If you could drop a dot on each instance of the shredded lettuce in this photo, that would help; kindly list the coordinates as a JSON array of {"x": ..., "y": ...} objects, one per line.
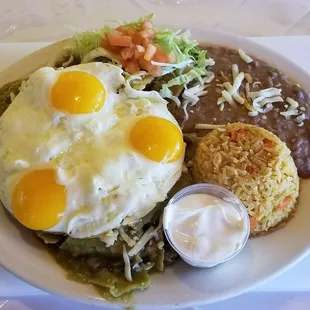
[
  {"x": 137, "y": 23},
  {"x": 187, "y": 56},
  {"x": 186, "y": 78},
  {"x": 90, "y": 40},
  {"x": 201, "y": 59},
  {"x": 177, "y": 42},
  {"x": 99, "y": 52},
  {"x": 188, "y": 69},
  {"x": 153, "y": 96},
  {"x": 168, "y": 68}
]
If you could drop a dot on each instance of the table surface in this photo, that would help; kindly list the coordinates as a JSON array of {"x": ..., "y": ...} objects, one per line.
[
  {"x": 33, "y": 20},
  {"x": 289, "y": 291}
]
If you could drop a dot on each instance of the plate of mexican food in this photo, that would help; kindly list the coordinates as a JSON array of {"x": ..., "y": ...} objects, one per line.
[{"x": 153, "y": 167}]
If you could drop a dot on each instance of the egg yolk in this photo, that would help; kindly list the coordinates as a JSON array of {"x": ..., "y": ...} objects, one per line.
[
  {"x": 78, "y": 92},
  {"x": 38, "y": 202},
  {"x": 157, "y": 139}
]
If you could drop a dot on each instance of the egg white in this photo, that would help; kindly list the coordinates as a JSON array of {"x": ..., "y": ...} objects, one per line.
[{"x": 107, "y": 182}]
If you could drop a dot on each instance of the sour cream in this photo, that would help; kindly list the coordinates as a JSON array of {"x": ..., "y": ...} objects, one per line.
[{"x": 204, "y": 229}]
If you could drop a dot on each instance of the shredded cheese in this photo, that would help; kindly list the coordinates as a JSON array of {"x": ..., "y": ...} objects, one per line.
[
  {"x": 293, "y": 104},
  {"x": 210, "y": 62},
  {"x": 255, "y": 84},
  {"x": 237, "y": 82},
  {"x": 227, "y": 96},
  {"x": 264, "y": 101},
  {"x": 247, "y": 91},
  {"x": 220, "y": 100},
  {"x": 268, "y": 108},
  {"x": 148, "y": 235},
  {"x": 300, "y": 118},
  {"x": 248, "y": 77},
  {"x": 288, "y": 113},
  {"x": 230, "y": 93},
  {"x": 234, "y": 70},
  {"x": 142, "y": 242},
  {"x": 268, "y": 92},
  {"x": 244, "y": 56},
  {"x": 192, "y": 94},
  {"x": 260, "y": 102},
  {"x": 130, "y": 242},
  {"x": 209, "y": 77},
  {"x": 292, "y": 110},
  {"x": 160, "y": 244},
  {"x": 228, "y": 87},
  {"x": 109, "y": 237},
  {"x": 128, "y": 275},
  {"x": 208, "y": 126},
  {"x": 253, "y": 113},
  {"x": 238, "y": 98}
]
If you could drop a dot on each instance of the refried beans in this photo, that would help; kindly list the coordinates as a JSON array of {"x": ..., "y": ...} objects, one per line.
[{"x": 207, "y": 111}]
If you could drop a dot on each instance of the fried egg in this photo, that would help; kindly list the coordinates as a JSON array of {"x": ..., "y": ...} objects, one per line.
[{"x": 82, "y": 153}]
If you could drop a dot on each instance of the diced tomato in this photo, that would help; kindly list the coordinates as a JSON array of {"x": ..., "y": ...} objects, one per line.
[
  {"x": 132, "y": 66},
  {"x": 253, "y": 222},
  {"x": 241, "y": 133},
  {"x": 132, "y": 31},
  {"x": 136, "y": 49},
  {"x": 123, "y": 62},
  {"x": 114, "y": 32},
  {"x": 147, "y": 34},
  {"x": 127, "y": 52},
  {"x": 147, "y": 66},
  {"x": 268, "y": 143},
  {"x": 155, "y": 70},
  {"x": 249, "y": 169},
  {"x": 145, "y": 43},
  {"x": 116, "y": 38},
  {"x": 139, "y": 51},
  {"x": 105, "y": 43},
  {"x": 233, "y": 135},
  {"x": 135, "y": 35},
  {"x": 122, "y": 29},
  {"x": 137, "y": 39},
  {"x": 236, "y": 135},
  {"x": 144, "y": 64},
  {"x": 140, "y": 48},
  {"x": 160, "y": 55},
  {"x": 285, "y": 202},
  {"x": 147, "y": 24},
  {"x": 150, "y": 52}
]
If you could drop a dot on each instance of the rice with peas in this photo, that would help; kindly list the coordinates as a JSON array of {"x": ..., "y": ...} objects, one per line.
[{"x": 256, "y": 166}]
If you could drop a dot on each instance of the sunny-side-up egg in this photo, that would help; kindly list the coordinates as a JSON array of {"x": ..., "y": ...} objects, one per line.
[{"x": 83, "y": 153}]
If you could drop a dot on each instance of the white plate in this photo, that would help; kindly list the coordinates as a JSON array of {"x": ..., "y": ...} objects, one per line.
[{"x": 180, "y": 285}]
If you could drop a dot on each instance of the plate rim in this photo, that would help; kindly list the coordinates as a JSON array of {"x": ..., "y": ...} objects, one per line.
[{"x": 261, "y": 51}]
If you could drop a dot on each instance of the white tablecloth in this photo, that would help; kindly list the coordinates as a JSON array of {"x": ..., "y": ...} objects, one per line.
[{"x": 34, "y": 20}]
